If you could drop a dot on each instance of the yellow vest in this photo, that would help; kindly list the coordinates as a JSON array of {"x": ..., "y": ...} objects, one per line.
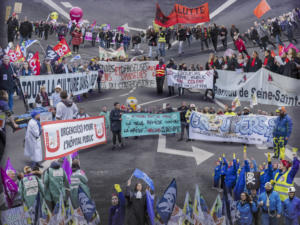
[
  {"x": 188, "y": 115},
  {"x": 162, "y": 37},
  {"x": 230, "y": 114},
  {"x": 281, "y": 186}
]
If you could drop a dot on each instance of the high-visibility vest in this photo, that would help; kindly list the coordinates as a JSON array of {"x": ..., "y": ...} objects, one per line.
[
  {"x": 160, "y": 70},
  {"x": 162, "y": 37},
  {"x": 281, "y": 186}
]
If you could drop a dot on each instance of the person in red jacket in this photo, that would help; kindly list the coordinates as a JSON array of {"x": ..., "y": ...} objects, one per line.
[
  {"x": 76, "y": 39},
  {"x": 160, "y": 76},
  {"x": 239, "y": 43}
]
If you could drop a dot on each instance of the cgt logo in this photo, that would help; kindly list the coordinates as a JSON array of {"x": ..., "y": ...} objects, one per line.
[
  {"x": 52, "y": 141},
  {"x": 99, "y": 131}
]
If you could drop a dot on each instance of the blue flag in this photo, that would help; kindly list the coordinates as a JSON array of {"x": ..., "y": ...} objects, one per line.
[
  {"x": 166, "y": 204},
  {"x": 87, "y": 206},
  {"x": 51, "y": 54},
  {"x": 150, "y": 207},
  {"x": 76, "y": 57},
  {"x": 141, "y": 175}
]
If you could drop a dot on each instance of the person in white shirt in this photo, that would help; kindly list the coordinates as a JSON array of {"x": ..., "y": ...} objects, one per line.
[
  {"x": 66, "y": 109},
  {"x": 55, "y": 97}
]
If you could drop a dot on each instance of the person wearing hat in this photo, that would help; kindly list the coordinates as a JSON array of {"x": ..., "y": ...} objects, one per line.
[
  {"x": 188, "y": 114},
  {"x": 291, "y": 208},
  {"x": 281, "y": 133},
  {"x": 160, "y": 76},
  {"x": 7, "y": 76},
  {"x": 29, "y": 187},
  {"x": 33, "y": 146},
  {"x": 246, "y": 111},
  {"x": 55, "y": 97},
  {"x": 117, "y": 210},
  {"x": 270, "y": 204},
  {"x": 12, "y": 27},
  {"x": 284, "y": 178}
]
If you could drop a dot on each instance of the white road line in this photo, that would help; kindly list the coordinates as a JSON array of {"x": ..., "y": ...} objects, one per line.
[
  {"x": 221, "y": 8},
  {"x": 124, "y": 94},
  {"x": 67, "y": 4},
  {"x": 297, "y": 181},
  {"x": 57, "y": 8},
  {"x": 102, "y": 99},
  {"x": 158, "y": 100}
]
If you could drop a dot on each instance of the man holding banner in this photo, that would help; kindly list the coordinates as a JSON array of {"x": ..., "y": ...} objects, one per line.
[{"x": 160, "y": 76}]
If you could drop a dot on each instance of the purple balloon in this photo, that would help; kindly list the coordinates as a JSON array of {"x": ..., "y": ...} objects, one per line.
[{"x": 76, "y": 14}]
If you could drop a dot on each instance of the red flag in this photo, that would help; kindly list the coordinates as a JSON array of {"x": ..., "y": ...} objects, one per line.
[
  {"x": 34, "y": 64},
  {"x": 62, "y": 48},
  {"x": 19, "y": 54},
  {"x": 273, "y": 54},
  {"x": 182, "y": 14},
  {"x": 280, "y": 49},
  {"x": 261, "y": 8},
  {"x": 12, "y": 55}
]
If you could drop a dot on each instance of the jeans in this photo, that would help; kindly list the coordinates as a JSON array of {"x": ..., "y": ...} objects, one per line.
[
  {"x": 180, "y": 47},
  {"x": 11, "y": 101},
  {"x": 161, "y": 47},
  {"x": 267, "y": 220},
  {"x": 150, "y": 51},
  {"x": 102, "y": 43}
]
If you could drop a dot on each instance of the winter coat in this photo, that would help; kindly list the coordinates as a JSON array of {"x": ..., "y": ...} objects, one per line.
[
  {"x": 66, "y": 110},
  {"x": 25, "y": 29},
  {"x": 29, "y": 187},
  {"x": 33, "y": 147},
  {"x": 241, "y": 182},
  {"x": 6, "y": 78},
  {"x": 256, "y": 67},
  {"x": 291, "y": 172},
  {"x": 217, "y": 175},
  {"x": 152, "y": 39},
  {"x": 239, "y": 43},
  {"x": 275, "y": 29},
  {"x": 283, "y": 126},
  {"x": 291, "y": 208},
  {"x": 270, "y": 63},
  {"x": 290, "y": 70},
  {"x": 78, "y": 178},
  {"x": 115, "y": 116},
  {"x": 12, "y": 25},
  {"x": 265, "y": 176},
  {"x": 231, "y": 175},
  {"x": 214, "y": 34},
  {"x": 182, "y": 34},
  {"x": 275, "y": 203},
  {"x": 246, "y": 210},
  {"x": 136, "y": 208},
  {"x": 254, "y": 34},
  {"x": 117, "y": 213},
  {"x": 56, "y": 182},
  {"x": 42, "y": 100},
  {"x": 119, "y": 38},
  {"x": 76, "y": 37}
]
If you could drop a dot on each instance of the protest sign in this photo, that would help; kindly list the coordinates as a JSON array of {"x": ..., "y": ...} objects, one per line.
[
  {"x": 253, "y": 180},
  {"x": 140, "y": 124},
  {"x": 190, "y": 79},
  {"x": 126, "y": 75},
  {"x": 105, "y": 54},
  {"x": 13, "y": 216},
  {"x": 64, "y": 137},
  {"x": 75, "y": 83},
  {"x": 270, "y": 88},
  {"x": 183, "y": 15},
  {"x": 89, "y": 35},
  {"x": 253, "y": 129}
]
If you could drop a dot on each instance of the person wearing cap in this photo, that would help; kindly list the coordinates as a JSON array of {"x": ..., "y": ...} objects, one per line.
[
  {"x": 33, "y": 146},
  {"x": 12, "y": 27},
  {"x": 246, "y": 111},
  {"x": 55, "y": 183},
  {"x": 55, "y": 97},
  {"x": 29, "y": 187},
  {"x": 284, "y": 178},
  {"x": 117, "y": 210},
  {"x": 281, "y": 133},
  {"x": 188, "y": 114},
  {"x": 7, "y": 76},
  {"x": 269, "y": 202},
  {"x": 160, "y": 76},
  {"x": 291, "y": 208},
  {"x": 78, "y": 178}
]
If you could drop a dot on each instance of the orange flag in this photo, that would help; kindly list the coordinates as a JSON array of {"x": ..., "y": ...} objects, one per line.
[
  {"x": 261, "y": 8},
  {"x": 273, "y": 53},
  {"x": 280, "y": 50}
]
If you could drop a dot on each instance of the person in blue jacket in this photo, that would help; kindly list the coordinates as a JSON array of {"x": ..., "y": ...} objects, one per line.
[
  {"x": 266, "y": 174},
  {"x": 117, "y": 210},
  {"x": 224, "y": 167},
  {"x": 217, "y": 173},
  {"x": 291, "y": 208},
  {"x": 281, "y": 133},
  {"x": 270, "y": 203},
  {"x": 231, "y": 175},
  {"x": 246, "y": 208}
]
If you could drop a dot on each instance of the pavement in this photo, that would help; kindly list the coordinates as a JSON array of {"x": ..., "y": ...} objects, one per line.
[{"x": 105, "y": 167}]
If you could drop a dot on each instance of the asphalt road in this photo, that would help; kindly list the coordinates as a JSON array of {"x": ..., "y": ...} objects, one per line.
[{"x": 105, "y": 167}]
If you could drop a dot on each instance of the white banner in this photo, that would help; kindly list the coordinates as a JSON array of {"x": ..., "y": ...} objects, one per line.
[
  {"x": 190, "y": 79},
  {"x": 270, "y": 88},
  {"x": 252, "y": 129},
  {"x": 126, "y": 75},
  {"x": 76, "y": 83},
  {"x": 64, "y": 137}
]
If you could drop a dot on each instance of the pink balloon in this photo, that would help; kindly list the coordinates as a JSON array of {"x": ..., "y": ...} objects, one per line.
[{"x": 76, "y": 14}]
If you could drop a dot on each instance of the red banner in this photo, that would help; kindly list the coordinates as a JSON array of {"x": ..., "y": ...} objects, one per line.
[
  {"x": 62, "y": 48},
  {"x": 19, "y": 54},
  {"x": 34, "y": 64},
  {"x": 12, "y": 56},
  {"x": 182, "y": 14}
]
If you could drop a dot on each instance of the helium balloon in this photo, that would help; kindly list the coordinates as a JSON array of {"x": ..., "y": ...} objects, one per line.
[
  {"x": 76, "y": 14},
  {"x": 54, "y": 15}
]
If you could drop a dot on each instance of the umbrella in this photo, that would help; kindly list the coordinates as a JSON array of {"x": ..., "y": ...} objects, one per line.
[{"x": 229, "y": 52}]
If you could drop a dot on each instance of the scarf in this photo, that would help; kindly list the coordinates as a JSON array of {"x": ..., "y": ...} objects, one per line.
[
  {"x": 266, "y": 61},
  {"x": 253, "y": 62}
]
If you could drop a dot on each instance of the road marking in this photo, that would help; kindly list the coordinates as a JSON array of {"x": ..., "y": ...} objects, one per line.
[
  {"x": 132, "y": 90},
  {"x": 221, "y": 8},
  {"x": 102, "y": 99},
  {"x": 158, "y": 100},
  {"x": 197, "y": 153},
  {"x": 57, "y": 8},
  {"x": 67, "y": 4},
  {"x": 297, "y": 180}
]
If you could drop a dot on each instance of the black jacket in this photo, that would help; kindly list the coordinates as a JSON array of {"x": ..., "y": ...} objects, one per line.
[
  {"x": 182, "y": 110},
  {"x": 12, "y": 25},
  {"x": 257, "y": 65},
  {"x": 182, "y": 35},
  {"x": 290, "y": 70},
  {"x": 270, "y": 64},
  {"x": 25, "y": 29},
  {"x": 115, "y": 116},
  {"x": 6, "y": 78}
]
